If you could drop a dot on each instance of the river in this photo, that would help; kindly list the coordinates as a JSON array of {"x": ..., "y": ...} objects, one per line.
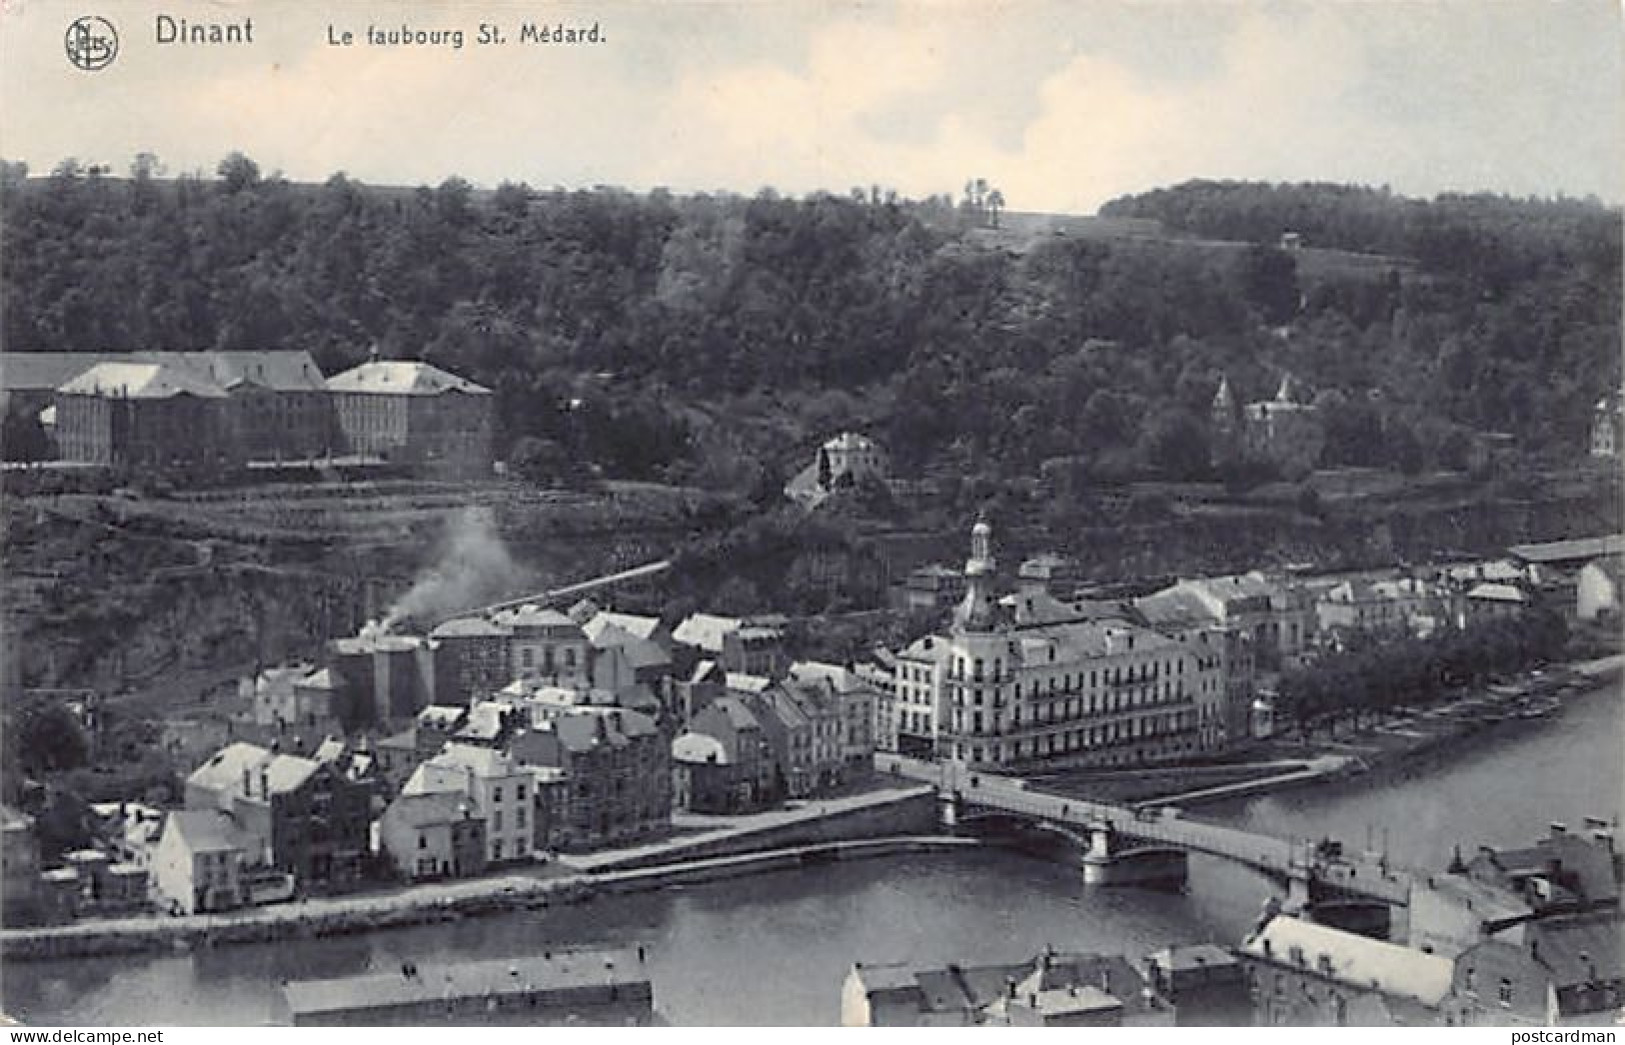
[{"x": 773, "y": 949}]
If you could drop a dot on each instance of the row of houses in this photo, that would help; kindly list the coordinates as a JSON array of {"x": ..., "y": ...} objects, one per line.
[
  {"x": 1516, "y": 937},
  {"x": 1043, "y": 674},
  {"x": 200, "y": 412}
]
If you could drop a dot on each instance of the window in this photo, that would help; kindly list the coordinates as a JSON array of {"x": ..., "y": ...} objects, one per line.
[
  {"x": 519, "y": 792},
  {"x": 1505, "y": 993},
  {"x": 423, "y": 842}
]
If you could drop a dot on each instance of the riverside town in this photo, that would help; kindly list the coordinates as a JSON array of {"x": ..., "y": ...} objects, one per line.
[{"x": 500, "y": 604}]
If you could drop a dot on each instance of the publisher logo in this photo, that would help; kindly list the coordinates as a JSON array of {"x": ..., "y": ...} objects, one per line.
[{"x": 91, "y": 43}]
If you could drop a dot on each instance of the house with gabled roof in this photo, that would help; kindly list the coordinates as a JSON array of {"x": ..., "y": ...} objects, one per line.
[
  {"x": 199, "y": 861},
  {"x": 296, "y": 815}
]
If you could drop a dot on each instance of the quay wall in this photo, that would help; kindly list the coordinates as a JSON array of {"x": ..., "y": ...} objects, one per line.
[
  {"x": 873, "y": 830},
  {"x": 912, "y": 813}
]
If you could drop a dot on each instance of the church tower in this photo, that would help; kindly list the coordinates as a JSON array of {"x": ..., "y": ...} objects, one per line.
[
  {"x": 977, "y": 703},
  {"x": 975, "y": 611}
]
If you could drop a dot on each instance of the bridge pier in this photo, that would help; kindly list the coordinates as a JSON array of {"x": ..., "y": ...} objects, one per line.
[{"x": 1107, "y": 860}]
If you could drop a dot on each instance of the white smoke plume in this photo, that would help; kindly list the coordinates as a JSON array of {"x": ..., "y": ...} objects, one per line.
[{"x": 474, "y": 568}]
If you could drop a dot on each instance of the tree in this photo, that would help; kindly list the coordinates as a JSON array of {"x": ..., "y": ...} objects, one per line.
[
  {"x": 48, "y": 738},
  {"x": 995, "y": 204},
  {"x": 1269, "y": 280},
  {"x": 237, "y": 173},
  {"x": 1176, "y": 444},
  {"x": 537, "y": 460}
]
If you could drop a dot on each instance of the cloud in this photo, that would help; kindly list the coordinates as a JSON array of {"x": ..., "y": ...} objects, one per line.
[{"x": 1062, "y": 105}]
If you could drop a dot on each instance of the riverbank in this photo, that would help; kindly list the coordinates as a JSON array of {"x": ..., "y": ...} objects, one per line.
[
  {"x": 871, "y": 824},
  {"x": 1412, "y": 732}
]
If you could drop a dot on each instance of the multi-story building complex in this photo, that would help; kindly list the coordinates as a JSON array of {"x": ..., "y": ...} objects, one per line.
[
  {"x": 803, "y": 730},
  {"x": 608, "y": 775},
  {"x": 298, "y": 816},
  {"x": 850, "y": 454},
  {"x": 1104, "y": 692},
  {"x": 275, "y": 407},
  {"x": 1284, "y": 429},
  {"x": 496, "y": 786},
  {"x": 1303, "y": 975},
  {"x": 278, "y": 407},
  {"x": 199, "y": 862},
  {"x": 388, "y": 677},
  {"x": 917, "y": 692},
  {"x": 1394, "y": 606},
  {"x": 415, "y": 414},
  {"x": 1277, "y": 615},
  {"x": 545, "y": 645},
  {"x": 474, "y": 658},
  {"x": 747, "y": 782},
  {"x": 856, "y": 701},
  {"x": 1608, "y": 425},
  {"x": 297, "y": 697},
  {"x": 433, "y": 834},
  {"x": 1226, "y": 677},
  {"x": 929, "y": 588},
  {"x": 19, "y": 867},
  {"x": 1051, "y": 989},
  {"x": 150, "y": 417}
]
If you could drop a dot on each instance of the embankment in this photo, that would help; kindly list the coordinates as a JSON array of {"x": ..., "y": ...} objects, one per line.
[{"x": 866, "y": 826}]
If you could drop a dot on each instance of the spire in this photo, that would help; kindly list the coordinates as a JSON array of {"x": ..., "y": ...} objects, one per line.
[
  {"x": 975, "y": 611},
  {"x": 1226, "y": 412}
]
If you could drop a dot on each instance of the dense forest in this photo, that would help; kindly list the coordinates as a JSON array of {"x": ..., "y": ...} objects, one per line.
[{"x": 713, "y": 339}]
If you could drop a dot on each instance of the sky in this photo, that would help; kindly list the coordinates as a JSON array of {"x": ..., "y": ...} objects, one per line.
[{"x": 1062, "y": 105}]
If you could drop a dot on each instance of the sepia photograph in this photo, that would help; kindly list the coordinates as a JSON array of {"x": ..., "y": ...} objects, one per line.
[{"x": 811, "y": 513}]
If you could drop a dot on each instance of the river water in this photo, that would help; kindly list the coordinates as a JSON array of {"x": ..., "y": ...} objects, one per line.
[{"x": 772, "y": 949}]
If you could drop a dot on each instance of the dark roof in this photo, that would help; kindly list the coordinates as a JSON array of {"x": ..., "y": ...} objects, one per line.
[
  {"x": 1580, "y": 948},
  {"x": 559, "y": 970},
  {"x": 1573, "y": 550},
  {"x": 428, "y": 808},
  {"x": 43, "y": 371},
  {"x": 205, "y": 830}
]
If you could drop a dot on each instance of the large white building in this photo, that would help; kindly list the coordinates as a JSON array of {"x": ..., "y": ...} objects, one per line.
[{"x": 1103, "y": 691}]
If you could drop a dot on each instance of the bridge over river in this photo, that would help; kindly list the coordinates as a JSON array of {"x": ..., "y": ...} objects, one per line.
[{"x": 1124, "y": 845}]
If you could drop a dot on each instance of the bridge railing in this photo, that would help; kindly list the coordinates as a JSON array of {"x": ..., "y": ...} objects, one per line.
[{"x": 1266, "y": 852}]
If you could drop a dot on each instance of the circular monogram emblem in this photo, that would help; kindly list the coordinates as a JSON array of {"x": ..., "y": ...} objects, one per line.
[{"x": 91, "y": 43}]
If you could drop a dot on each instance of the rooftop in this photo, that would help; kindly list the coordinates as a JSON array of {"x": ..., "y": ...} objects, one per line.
[
  {"x": 1350, "y": 958},
  {"x": 142, "y": 381},
  {"x": 705, "y": 630},
  {"x": 641, "y": 627},
  {"x": 1572, "y": 550},
  {"x": 468, "y": 628},
  {"x": 205, "y": 830},
  {"x": 699, "y": 748},
  {"x": 1580, "y": 948},
  {"x": 551, "y": 971},
  {"x": 429, "y": 808},
  {"x": 402, "y": 377},
  {"x": 223, "y": 773}
]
